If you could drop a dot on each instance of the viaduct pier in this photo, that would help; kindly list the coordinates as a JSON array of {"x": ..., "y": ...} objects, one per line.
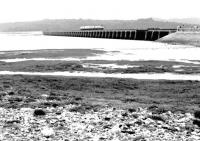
[{"x": 127, "y": 34}]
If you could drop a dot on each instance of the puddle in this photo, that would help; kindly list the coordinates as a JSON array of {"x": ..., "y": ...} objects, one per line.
[
  {"x": 146, "y": 76},
  {"x": 112, "y": 66}
]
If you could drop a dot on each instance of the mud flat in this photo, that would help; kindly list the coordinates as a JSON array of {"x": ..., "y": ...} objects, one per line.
[
  {"x": 103, "y": 66},
  {"x": 184, "y": 38},
  {"x": 32, "y": 91}
]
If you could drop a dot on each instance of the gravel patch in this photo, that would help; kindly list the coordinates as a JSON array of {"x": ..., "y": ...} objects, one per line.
[{"x": 105, "y": 124}]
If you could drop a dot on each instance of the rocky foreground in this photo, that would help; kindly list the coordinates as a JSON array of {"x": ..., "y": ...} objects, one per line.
[
  {"x": 67, "y": 108},
  {"x": 69, "y": 123}
]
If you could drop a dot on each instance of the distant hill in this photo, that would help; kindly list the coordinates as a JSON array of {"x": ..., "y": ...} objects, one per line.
[
  {"x": 187, "y": 20},
  {"x": 74, "y": 24},
  {"x": 182, "y": 21}
]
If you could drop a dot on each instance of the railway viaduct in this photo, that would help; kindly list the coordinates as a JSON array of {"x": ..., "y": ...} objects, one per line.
[{"x": 128, "y": 34}]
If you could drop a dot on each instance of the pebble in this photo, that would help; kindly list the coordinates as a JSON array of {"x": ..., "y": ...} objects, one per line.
[
  {"x": 115, "y": 129},
  {"x": 47, "y": 132}
]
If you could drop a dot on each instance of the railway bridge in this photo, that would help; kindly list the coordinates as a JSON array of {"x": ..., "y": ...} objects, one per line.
[{"x": 128, "y": 34}]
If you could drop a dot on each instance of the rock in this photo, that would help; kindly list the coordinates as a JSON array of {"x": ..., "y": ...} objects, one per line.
[
  {"x": 149, "y": 121},
  {"x": 107, "y": 126},
  {"x": 97, "y": 138},
  {"x": 171, "y": 129},
  {"x": 195, "y": 137},
  {"x": 177, "y": 128},
  {"x": 11, "y": 93},
  {"x": 44, "y": 95},
  {"x": 107, "y": 119},
  {"x": 139, "y": 138},
  {"x": 197, "y": 114},
  {"x": 156, "y": 117},
  {"x": 1, "y": 137},
  {"x": 128, "y": 132},
  {"x": 189, "y": 116},
  {"x": 12, "y": 121},
  {"x": 115, "y": 129},
  {"x": 47, "y": 132},
  {"x": 39, "y": 112},
  {"x": 58, "y": 113},
  {"x": 196, "y": 122},
  {"x": 152, "y": 107},
  {"x": 2, "y": 94},
  {"x": 139, "y": 122},
  {"x": 124, "y": 114},
  {"x": 131, "y": 110},
  {"x": 134, "y": 115}
]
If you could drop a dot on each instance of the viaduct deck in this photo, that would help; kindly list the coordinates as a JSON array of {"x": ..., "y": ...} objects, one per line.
[{"x": 128, "y": 34}]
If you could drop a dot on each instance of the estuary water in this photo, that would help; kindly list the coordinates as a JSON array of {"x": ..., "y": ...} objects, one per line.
[
  {"x": 116, "y": 49},
  {"x": 128, "y": 50}
]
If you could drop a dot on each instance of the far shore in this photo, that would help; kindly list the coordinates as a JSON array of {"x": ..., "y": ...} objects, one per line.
[{"x": 182, "y": 38}]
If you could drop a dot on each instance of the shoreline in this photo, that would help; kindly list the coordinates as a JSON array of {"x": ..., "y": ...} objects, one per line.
[{"x": 182, "y": 38}]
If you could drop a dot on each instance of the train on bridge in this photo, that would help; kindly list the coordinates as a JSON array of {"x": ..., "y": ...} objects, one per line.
[{"x": 98, "y": 27}]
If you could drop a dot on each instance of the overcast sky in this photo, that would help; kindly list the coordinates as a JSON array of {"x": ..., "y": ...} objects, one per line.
[{"x": 28, "y": 10}]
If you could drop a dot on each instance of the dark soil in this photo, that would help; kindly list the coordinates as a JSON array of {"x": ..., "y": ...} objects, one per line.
[{"x": 45, "y": 91}]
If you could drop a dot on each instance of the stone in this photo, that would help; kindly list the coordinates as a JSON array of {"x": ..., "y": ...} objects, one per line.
[
  {"x": 11, "y": 93},
  {"x": 188, "y": 115},
  {"x": 197, "y": 114},
  {"x": 115, "y": 129},
  {"x": 124, "y": 114},
  {"x": 128, "y": 132},
  {"x": 157, "y": 118},
  {"x": 47, "y": 132},
  {"x": 196, "y": 122},
  {"x": 139, "y": 138},
  {"x": 131, "y": 110},
  {"x": 93, "y": 126},
  {"x": 39, "y": 112},
  {"x": 107, "y": 119}
]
